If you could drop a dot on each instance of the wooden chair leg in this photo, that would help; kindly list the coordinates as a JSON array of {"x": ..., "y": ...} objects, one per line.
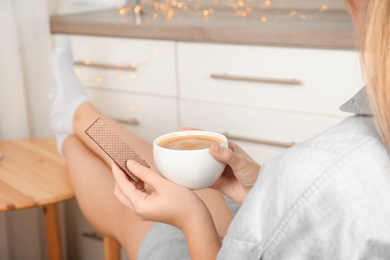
[
  {"x": 111, "y": 249},
  {"x": 52, "y": 231}
]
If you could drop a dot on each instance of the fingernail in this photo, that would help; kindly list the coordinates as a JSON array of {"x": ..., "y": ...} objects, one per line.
[
  {"x": 132, "y": 164},
  {"x": 217, "y": 149}
]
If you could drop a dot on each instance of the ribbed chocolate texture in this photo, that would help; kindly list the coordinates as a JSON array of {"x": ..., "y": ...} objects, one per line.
[{"x": 113, "y": 145}]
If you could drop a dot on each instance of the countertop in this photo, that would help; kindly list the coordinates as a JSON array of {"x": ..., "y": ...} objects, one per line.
[{"x": 328, "y": 29}]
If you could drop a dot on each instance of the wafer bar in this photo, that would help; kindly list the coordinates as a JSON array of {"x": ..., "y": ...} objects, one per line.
[{"x": 113, "y": 145}]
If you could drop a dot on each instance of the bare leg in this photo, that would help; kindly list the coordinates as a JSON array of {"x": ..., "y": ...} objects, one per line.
[{"x": 94, "y": 185}]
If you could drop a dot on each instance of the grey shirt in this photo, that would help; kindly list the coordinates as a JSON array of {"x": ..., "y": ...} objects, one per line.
[{"x": 326, "y": 198}]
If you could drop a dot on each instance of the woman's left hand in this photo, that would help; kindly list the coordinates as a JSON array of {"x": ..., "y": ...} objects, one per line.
[{"x": 168, "y": 202}]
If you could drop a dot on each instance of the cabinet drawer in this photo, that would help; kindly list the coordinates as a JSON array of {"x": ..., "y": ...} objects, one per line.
[
  {"x": 263, "y": 129},
  {"x": 133, "y": 65},
  {"x": 327, "y": 77},
  {"x": 146, "y": 116}
]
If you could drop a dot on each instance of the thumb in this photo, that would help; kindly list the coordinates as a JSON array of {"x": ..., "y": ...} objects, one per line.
[
  {"x": 145, "y": 174},
  {"x": 228, "y": 156}
]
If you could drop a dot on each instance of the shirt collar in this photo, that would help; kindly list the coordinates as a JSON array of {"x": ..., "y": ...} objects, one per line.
[{"x": 358, "y": 104}]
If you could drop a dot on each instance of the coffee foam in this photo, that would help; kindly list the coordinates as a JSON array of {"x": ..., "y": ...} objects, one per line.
[{"x": 189, "y": 142}]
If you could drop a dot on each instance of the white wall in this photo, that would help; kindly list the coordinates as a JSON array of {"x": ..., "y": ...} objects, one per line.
[{"x": 25, "y": 80}]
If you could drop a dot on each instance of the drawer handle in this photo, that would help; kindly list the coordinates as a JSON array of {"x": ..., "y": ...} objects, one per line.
[
  {"x": 131, "y": 67},
  {"x": 258, "y": 141},
  {"x": 253, "y": 79},
  {"x": 133, "y": 121}
]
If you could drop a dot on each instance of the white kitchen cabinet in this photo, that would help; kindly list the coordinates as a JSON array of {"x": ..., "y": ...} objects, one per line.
[
  {"x": 146, "y": 116},
  {"x": 316, "y": 80},
  {"x": 103, "y": 61},
  {"x": 263, "y": 133}
]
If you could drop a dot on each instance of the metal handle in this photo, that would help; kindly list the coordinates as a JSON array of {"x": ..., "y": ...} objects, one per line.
[
  {"x": 131, "y": 67},
  {"x": 258, "y": 141},
  {"x": 132, "y": 122},
  {"x": 254, "y": 79}
]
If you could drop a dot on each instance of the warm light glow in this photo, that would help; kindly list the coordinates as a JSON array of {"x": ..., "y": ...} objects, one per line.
[
  {"x": 263, "y": 19},
  {"x": 133, "y": 107},
  {"x": 133, "y": 76},
  {"x": 267, "y": 3},
  {"x": 155, "y": 51},
  {"x": 87, "y": 62},
  {"x": 185, "y": 8},
  {"x": 205, "y": 13},
  {"x": 98, "y": 80},
  {"x": 324, "y": 7},
  {"x": 249, "y": 10},
  {"x": 243, "y": 13},
  {"x": 211, "y": 10},
  {"x": 179, "y": 4},
  {"x": 132, "y": 65},
  {"x": 241, "y": 3},
  {"x": 174, "y": 3},
  {"x": 78, "y": 71},
  {"x": 155, "y": 15},
  {"x": 292, "y": 13},
  {"x": 156, "y": 5},
  {"x": 170, "y": 14},
  {"x": 137, "y": 9}
]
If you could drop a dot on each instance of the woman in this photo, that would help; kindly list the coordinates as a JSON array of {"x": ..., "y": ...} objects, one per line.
[{"x": 324, "y": 198}]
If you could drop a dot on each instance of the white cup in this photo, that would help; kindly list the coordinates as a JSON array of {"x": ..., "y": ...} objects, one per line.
[{"x": 194, "y": 169}]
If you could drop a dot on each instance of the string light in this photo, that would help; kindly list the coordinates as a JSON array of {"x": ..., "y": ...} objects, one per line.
[{"x": 242, "y": 8}]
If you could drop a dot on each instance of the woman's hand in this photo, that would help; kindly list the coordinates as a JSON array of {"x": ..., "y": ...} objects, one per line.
[
  {"x": 168, "y": 202},
  {"x": 240, "y": 174}
]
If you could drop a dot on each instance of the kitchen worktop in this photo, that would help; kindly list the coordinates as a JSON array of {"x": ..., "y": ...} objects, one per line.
[{"x": 329, "y": 29}]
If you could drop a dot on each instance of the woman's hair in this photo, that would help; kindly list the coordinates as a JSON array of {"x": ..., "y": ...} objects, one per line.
[{"x": 375, "y": 47}]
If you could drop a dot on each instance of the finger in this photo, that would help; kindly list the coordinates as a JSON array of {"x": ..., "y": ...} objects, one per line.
[
  {"x": 228, "y": 156},
  {"x": 122, "y": 198},
  {"x": 122, "y": 180},
  {"x": 145, "y": 174}
]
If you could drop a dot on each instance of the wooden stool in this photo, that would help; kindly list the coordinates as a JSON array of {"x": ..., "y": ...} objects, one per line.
[{"x": 32, "y": 174}]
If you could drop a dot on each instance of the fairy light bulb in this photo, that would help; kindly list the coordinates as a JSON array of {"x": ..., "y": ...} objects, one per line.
[
  {"x": 263, "y": 19},
  {"x": 87, "y": 62}
]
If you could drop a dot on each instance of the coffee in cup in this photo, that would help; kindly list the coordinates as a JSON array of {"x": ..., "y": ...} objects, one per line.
[
  {"x": 190, "y": 142},
  {"x": 184, "y": 157}
]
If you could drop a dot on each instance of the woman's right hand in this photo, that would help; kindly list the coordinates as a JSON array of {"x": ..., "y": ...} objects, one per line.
[{"x": 240, "y": 174}]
